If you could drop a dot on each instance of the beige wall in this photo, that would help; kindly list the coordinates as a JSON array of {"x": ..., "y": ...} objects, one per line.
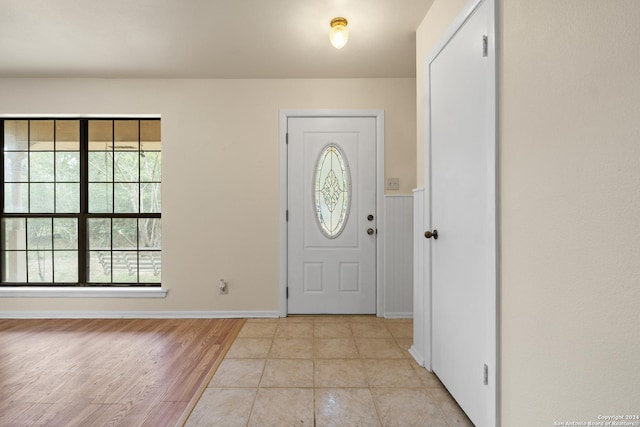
[
  {"x": 220, "y": 173},
  {"x": 437, "y": 20},
  {"x": 569, "y": 205}
]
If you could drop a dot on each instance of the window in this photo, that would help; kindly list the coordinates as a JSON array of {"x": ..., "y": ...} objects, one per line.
[
  {"x": 332, "y": 185},
  {"x": 81, "y": 202}
]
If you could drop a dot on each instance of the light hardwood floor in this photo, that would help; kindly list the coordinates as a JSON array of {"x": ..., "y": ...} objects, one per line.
[{"x": 99, "y": 372}]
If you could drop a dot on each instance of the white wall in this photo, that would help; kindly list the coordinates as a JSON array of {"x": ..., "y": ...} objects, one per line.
[
  {"x": 220, "y": 173},
  {"x": 569, "y": 205}
]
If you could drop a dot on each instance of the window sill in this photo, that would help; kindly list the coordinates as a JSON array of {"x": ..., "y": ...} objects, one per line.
[{"x": 81, "y": 292}]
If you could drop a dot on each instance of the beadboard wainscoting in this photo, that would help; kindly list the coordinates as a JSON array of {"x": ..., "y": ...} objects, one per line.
[
  {"x": 421, "y": 296},
  {"x": 398, "y": 258}
]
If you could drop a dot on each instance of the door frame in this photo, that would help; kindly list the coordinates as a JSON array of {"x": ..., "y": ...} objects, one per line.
[
  {"x": 457, "y": 23},
  {"x": 378, "y": 115}
]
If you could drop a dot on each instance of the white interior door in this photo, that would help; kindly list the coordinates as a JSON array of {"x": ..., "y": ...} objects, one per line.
[
  {"x": 463, "y": 210},
  {"x": 331, "y": 202}
]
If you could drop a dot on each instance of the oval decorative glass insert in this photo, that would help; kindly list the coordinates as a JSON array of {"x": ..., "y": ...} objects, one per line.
[{"x": 332, "y": 191}]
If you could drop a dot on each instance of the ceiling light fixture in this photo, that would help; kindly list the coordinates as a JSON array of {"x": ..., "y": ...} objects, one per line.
[{"x": 338, "y": 35}]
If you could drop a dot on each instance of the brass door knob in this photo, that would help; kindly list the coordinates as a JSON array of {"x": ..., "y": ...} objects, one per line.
[
  {"x": 371, "y": 231},
  {"x": 429, "y": 234}
]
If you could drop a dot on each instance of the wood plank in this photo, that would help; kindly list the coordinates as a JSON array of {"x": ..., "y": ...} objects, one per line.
[{"x": 117, "y": 372}]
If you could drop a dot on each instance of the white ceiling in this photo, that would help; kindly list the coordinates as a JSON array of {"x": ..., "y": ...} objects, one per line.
[{"x": 207, "y": 38}]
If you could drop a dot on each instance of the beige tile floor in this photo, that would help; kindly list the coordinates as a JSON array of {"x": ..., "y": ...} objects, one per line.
[{"x": 324, "y": 371}]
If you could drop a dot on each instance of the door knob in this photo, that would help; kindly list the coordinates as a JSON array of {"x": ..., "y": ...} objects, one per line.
[
  {"x": 370, "y": 217},
  {"x": 429, "y": 234},
  {"x": 370, "y": 231}
]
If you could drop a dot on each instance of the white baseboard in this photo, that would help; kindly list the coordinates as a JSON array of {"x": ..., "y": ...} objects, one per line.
[
  {"x": 401, "y": 315},
  {"x": 137, "y": 314},
  {"x": 416, "y": 356}
]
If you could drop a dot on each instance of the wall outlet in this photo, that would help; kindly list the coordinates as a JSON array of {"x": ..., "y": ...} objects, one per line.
[
  {"x": 392, "y": 184},
  {"x": 224, "y": 287}
]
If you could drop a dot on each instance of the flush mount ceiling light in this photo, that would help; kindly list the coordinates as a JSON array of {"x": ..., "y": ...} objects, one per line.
[{"x": 338, "y": 35}]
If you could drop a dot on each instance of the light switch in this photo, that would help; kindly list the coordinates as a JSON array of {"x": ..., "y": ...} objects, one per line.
[{"x": 392, "y": 184}]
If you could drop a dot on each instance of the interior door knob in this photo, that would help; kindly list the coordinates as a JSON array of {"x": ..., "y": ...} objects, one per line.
[
  {"x": 371, "y": 231},
  {"x": 429, "y": 234}
]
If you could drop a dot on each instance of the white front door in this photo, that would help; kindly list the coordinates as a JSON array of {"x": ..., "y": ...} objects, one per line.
[
  {"x": 331, "y": 202},
  {"x": 463, "y": 210}
]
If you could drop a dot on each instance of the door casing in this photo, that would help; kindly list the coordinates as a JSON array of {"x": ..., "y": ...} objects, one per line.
[{"x": 379, "y": 117}]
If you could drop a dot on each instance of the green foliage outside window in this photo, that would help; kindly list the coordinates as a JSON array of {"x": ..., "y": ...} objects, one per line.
[{"x": 81, "y": 202}]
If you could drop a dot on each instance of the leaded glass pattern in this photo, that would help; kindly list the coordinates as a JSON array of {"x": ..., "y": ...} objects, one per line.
[{"x": 332, "y": 191}]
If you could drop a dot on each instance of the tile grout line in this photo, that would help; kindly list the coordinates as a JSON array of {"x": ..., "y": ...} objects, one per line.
[
  {"x": 264, "y": 368},
  {"x": 435, "y": 402},
  {"x": 369, "y": 387},
  {"x": 314, "y": 337}
]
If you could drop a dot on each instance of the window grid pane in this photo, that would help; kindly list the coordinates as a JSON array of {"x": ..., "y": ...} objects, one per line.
[
  {"x": 34, "y": 156},
  {"x": 125, "y": 250},
  {"x": 40, "y": 268},
  {"x": 42, "y": 204},
  {"x": 65, "y": 266}
]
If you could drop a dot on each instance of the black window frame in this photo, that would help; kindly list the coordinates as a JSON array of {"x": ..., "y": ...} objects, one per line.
[{"x": 83, "y": 216}]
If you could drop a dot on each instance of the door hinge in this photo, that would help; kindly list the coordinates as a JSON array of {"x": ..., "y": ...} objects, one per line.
[
  {"x": 485, "y": 46},
  {"x": 287, "y": 215},
  {"x": 485, "y": 375},
  {"x": 286, "y": 138},
  {"x": 287, "y": 292}
]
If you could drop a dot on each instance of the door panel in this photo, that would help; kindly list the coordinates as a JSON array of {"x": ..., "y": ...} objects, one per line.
[
  {"x": 462, "y": 182},
  {"x": 331, "y": 273}
]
